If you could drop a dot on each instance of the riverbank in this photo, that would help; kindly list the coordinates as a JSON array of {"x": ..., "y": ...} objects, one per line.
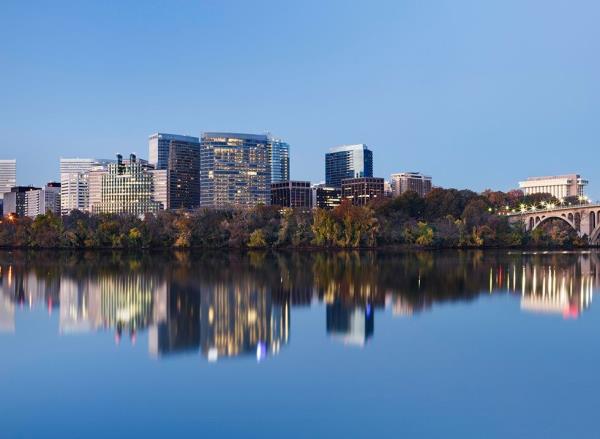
[{"x": 445, "y": 218}]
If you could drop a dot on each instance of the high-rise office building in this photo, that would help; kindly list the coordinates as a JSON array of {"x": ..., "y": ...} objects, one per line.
[
  {"x": 127, "y": 187},
  {"x": 158, "y": 147},
  {"x": 559, "y": 186},
  {"x": 293, "y": 194},
  {"x": 234, "y": 170},
  {"x": 74, "y": 176},
  {"x": 279, "y": 160},
  {"x": 8, "y": 176},
  {"x": 361, "y": 191},
  {"x": 410, "y": 181},
  {"x": 183, "y": 175},
  {"x": 75, "y": 165},
  {"x": 347, "y": 161}
]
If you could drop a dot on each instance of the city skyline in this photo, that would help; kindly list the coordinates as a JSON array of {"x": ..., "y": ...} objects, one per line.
[
  {"x": 66, "y": 161},
  {"x": 439, "y": 89}
]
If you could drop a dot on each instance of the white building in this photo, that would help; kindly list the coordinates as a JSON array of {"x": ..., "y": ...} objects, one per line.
[
  {"x": 160, "y": 186},
  {"x": 74, "y": 174},
  {"x": 40, "y": 201},
  {"x": 559, "y": 186},
  {"x": 8, "y": 176}
]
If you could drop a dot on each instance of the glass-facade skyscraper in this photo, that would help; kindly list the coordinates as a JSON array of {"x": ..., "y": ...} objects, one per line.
[
  {"x": 279, "y": 159},
  {"x": 347, "y": 161},
  {"x": 158, "y": 148},
  {"x": 234, "y": 170},
  {"x": 183, "y": 175}
]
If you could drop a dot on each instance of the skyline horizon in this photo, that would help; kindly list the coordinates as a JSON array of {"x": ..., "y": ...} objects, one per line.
[
  {"x": 386, "y": 178},
  {"x": 476, "y": 95}
]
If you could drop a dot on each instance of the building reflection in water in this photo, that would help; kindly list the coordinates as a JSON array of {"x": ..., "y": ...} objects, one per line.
[
  {"x": 550, "y": 288},
  {"x": 353, "y": 325},
  {"x": 240, "y": 319},
  {"x": 239, "y": 306},
  {"x": 127, "y": 302},
  {"x": 176, "y": 319}
]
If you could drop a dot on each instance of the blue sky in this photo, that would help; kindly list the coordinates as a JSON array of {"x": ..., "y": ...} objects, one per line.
[{"x": 477, "y": 94}]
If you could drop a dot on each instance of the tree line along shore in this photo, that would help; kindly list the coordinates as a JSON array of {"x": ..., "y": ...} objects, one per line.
[{"x": 444, "y": 218}]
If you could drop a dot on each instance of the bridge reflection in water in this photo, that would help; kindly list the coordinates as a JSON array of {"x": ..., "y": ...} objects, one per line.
[
  {"x": 548, "y": 287},
  {"x": 226, "y": 305}
]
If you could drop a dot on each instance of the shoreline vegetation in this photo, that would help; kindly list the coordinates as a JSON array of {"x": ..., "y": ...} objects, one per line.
[{"x": 444, "y": 219}]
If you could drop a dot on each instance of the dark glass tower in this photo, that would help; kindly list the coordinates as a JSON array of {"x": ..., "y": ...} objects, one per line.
[
  {"x": 183, "y": 190},
  {"x": 347, "y": 161},
  {"x": 158, "y": 147}
]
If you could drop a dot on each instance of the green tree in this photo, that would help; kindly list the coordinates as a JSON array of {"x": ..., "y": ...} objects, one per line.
[{"x": 257, "y": 239}]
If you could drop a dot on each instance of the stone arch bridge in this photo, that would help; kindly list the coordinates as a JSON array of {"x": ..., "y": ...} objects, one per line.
[{"x": 584, "y": 219}]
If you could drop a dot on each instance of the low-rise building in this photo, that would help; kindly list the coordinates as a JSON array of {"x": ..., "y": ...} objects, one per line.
[
  {"x": 410, "y": 181},
  {"x": 559, "y": 186},
  {"x": 41, "y": 201},
  {"x": 326, "y": 197},
  {"x": 293, "y": 194},
  {"x": 361, "y": 191},
  {"x": 16, "y": 201}
]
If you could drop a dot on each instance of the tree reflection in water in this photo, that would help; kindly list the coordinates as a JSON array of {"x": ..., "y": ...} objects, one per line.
[{"x": 228, "y": 304}]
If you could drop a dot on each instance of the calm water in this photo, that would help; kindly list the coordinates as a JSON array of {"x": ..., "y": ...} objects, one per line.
[{"x": 452, "y": 344}]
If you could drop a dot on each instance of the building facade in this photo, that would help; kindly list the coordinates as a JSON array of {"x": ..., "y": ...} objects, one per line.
[
  {"x": 234, "y": 170},
  {"x": 361, "y": 191},
  {"x": 559, "y": 186},
  {"x": 160, "y": 186},
  {"x": 326, "y": 197},
  {"x": 279, "y": 160},
  {"x": 410, "y": 181},
  {"x": 183, "y": 175},
  {"x": 8, "y": 176},
  {"x": 292, "y": 194},
  {"x": 94, "y": 179},
  {"x": 16, "y": 201},
  {"x": 158, "y": 147},
  {"x": 41, "y": 201},
  {"x": 127, "y": 187},
  {"x": 347, "y": 161},
  {"x": 74, "y": 181}
]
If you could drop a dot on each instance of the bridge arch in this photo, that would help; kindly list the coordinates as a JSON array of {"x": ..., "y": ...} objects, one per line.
[
  {"x": 592, "y": 222},
  {"x": 554, "y": 216}
]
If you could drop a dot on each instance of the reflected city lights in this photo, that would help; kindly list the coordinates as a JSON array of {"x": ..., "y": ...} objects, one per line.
[{"x": 240, "y": 306}]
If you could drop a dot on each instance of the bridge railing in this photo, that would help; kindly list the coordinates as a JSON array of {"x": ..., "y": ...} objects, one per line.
[{"x": 545, "y": 207}]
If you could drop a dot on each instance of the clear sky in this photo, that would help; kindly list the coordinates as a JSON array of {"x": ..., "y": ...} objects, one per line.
[{"x": 475, "y": 93}]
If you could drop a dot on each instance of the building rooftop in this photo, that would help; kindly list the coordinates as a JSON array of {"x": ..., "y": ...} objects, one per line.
[
  {"x": 180, "y": 137},
  {"x": 246, "y": 136},
  {"x": 554, "y": 177},
  {"x": 354, "y": 147}
]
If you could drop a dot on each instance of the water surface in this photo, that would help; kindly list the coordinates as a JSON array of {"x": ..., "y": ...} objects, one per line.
[{"x": 349, "y": 344}]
